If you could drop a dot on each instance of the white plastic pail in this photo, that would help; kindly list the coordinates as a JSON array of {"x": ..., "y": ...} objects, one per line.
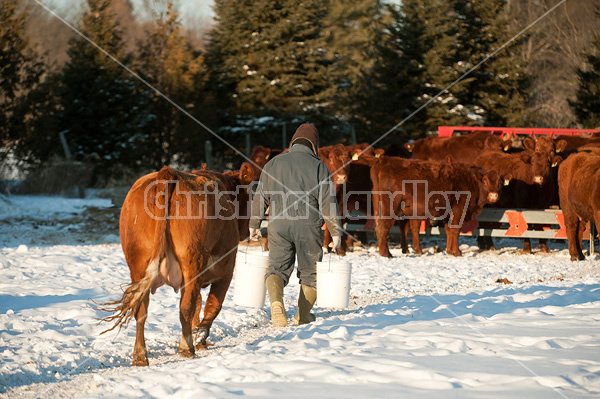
[
  {"x": 250, "y": 271},
  {"x": 333, "y": 284}
]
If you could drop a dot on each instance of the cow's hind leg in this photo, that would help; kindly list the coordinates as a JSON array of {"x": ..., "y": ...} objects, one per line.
[
  {"x": 452, "y": 234},
  {"x": 575, "y": 229},
  {"x": 526, "y": 246},
  {"x": 187, "y": 311},
  {"x": 140, "y": 354},
  {"x": 382, "y": 230},
  {"x": 544, "y": 245},
  {"x": 404, "y": 226},
  {"x": 214, "y": 303},
  {"x": 196, "y": 321},
  {"x": 415, "y": 228}
]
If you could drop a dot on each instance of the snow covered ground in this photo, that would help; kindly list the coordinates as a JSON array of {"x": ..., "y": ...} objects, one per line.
[{"x": 428, "y": 326}]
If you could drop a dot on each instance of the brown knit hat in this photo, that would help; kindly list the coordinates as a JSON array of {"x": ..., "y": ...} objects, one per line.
[{"x": 308, "y": 132}]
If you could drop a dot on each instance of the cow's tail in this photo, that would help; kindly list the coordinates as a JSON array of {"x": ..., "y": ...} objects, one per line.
[{"x": 127, "y": 307}]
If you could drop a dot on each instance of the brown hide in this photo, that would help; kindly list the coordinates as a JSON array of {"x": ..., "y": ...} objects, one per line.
[
  {"x": 391, "y": 199},
  {"x": 573, "y": 142},
  {"x": 336, "y": 158},
  {"x": 544, "y": 144},
  {"x": 176, "y": 229},
  {"x": 460, "y": 149},
  {"x": 260, "y": 156},
  {"x": 355, "y": 195},
  {"x": 579, "y": 192}
]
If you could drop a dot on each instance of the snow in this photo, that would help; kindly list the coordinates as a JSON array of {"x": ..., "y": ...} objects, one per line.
[{"x": 429, "y": 326}]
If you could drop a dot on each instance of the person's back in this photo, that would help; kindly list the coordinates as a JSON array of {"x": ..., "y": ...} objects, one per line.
[
  {"x": 298, "y": 187},
  {"x": 298, "y": 184}
]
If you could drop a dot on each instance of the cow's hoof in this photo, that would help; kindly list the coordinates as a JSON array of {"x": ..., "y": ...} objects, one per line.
[
  {"x": 386, "y": 255},
  {"x": 201, "y": 334},
  {"x": 418, "y": 252},
  {"x": 140, "y": 359},
  {"x": 525, "y": 252},
  {"x": 186, "y": 353}
]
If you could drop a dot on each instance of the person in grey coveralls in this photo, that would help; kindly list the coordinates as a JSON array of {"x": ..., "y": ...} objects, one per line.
[{"x": 298, "y": 187}]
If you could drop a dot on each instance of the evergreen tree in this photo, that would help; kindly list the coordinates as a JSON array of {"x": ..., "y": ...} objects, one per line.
[
  {"x": 351, "y": 33},
  {"x": 587, "y": 104},
  {"x": 417, "y": 61},
  {"x": 497, "y": 90},
  {"x": 168, "y": 62},
  {"x": 26, "y": 105},
  {"x": 103, "y": 113},
  {"x": 269, "y": 58}
]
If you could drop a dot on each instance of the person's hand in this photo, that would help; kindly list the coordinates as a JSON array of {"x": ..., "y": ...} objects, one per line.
[
  {"x": 335, "y": 242},
  {"x": 255, "y": 234}
]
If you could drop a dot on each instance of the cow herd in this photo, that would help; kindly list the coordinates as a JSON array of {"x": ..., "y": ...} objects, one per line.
[
  {"x": 450, "y": 179},
  {"x": 182, "y": 229}
]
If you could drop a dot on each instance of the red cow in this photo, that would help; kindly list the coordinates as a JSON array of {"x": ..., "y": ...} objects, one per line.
[
  {"x": 181, "y": 229},
  {"x": 422, "y": 190},
  {"x": 260, "y": 156},
  {"x": 531, "y": 186},
  {"x": 579, "y": 191},
  {"x": 337, "y": 160},
  {"x": 356, "y": 195},
  {"x": 364, "y": 149},
  {"x": 574, "y": 142},
  {"x": 463, "y": 149},
  {"x": 544, "y": 144}
]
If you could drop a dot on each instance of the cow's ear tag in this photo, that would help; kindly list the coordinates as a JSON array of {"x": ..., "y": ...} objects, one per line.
[
  {"x": 554, "y": 164},
  {"x": 355, "y": 157},
  {"x": 267, "y": 156},
  {"x": 377, "y": 155},
  {"x": 506, "y": 182}
]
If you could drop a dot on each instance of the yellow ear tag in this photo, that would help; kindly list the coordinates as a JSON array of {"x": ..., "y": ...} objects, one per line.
[
  {"x": 554, "y": 164},
  {"x": 377, "y": 155},
  {"x": 267, "y": 156},
  {"x": 355, "y": 157},
  {"x": 506, "y": 182}
]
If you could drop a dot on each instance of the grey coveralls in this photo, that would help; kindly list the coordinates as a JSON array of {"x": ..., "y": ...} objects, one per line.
[{"x": 298, "y": 187}]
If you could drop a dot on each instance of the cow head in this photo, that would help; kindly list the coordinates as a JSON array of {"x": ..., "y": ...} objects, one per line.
[
  {"x": 239, "y": 185},
  {"x": 541, "y": 162},
  {"x": 492, "y": 186},
  {"x": 361, "y": 153},
  {"x": 260, "y": 156},
  {"x": 337, "y": 161},
  {"x": 544, "y": 144}
]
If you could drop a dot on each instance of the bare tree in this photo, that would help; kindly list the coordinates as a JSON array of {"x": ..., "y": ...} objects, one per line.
[{"x": 553, "y": 52}]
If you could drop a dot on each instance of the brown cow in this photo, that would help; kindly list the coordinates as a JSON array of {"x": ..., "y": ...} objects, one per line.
[
  {"x": 181, "y": 229},
  {"x": 531, "y": 186},
  {"x": 527, "y": 167},
  {"x": 260, "y": 156},
  {"x": 422, "y": 190},
  {"x": 337, "y": 160},
  {"x": 463, "y": 149},
  {"x": 544, "y": 144},
  {"x": 356, "y": 194},
  {"x": 574, "y": 142},
  {"x": 579, "y": 191}
]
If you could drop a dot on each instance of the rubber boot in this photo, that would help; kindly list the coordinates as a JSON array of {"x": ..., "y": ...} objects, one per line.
[
  {"x": 275, "y": 288},
  {"x": 306, "y": 300}
]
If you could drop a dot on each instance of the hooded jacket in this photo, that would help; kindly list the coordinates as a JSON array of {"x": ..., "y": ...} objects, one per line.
[{"x": 298, "y": 187}]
